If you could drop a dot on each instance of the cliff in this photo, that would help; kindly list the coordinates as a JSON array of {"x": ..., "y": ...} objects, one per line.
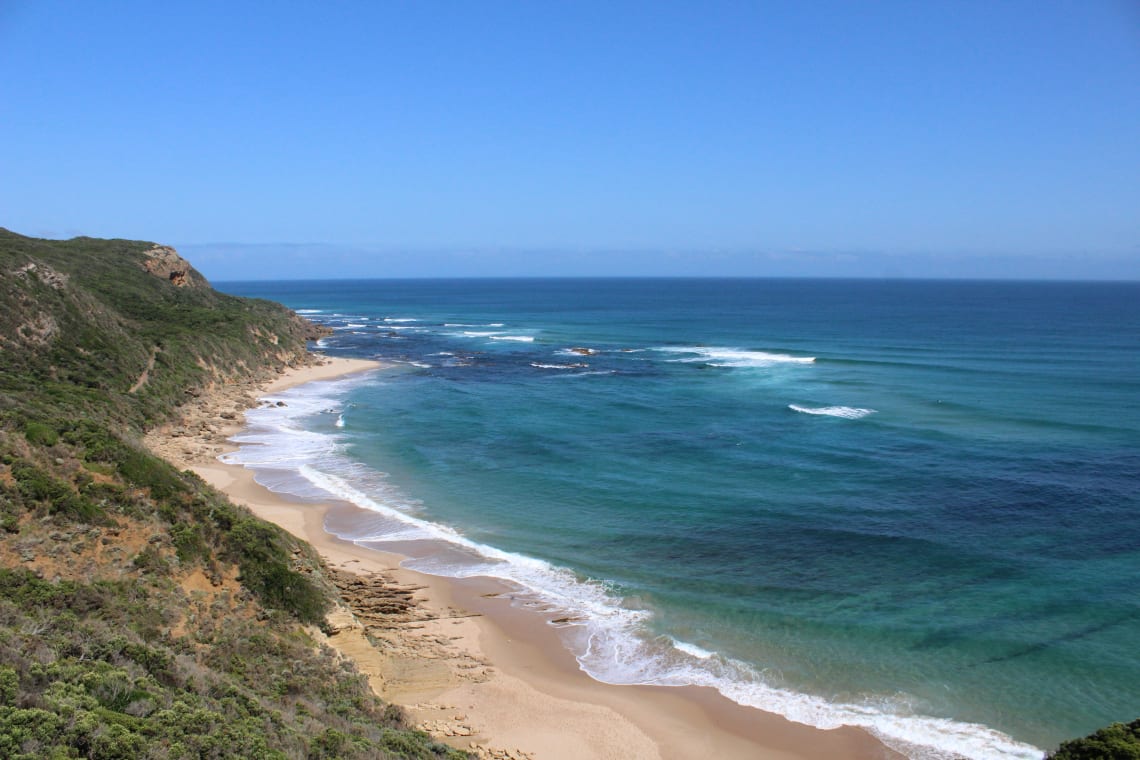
[{"x": 141, "y": 613}]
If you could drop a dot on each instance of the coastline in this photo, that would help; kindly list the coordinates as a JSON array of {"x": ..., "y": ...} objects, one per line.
[{"x": 469, "y": 667}]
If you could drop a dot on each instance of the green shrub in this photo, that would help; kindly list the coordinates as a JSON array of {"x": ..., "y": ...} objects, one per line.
[
  {"x": 9, "y": 511},
  {"x": 151, "y": 560},
  {"x": 330, "y": 744},
  {"x": 105, "y": 452},
  {"x": 9, "y": 686},
  {"x": 38, "y": 485},
  {"x": 263, "y": 559},
  {"x": 40, "y": 434},
  {"x": 417, "y": 745},
  {"x": 1115, "y": 742},
  {"x": 24, "y": 732},
  {"x": 189, "y": 542}
]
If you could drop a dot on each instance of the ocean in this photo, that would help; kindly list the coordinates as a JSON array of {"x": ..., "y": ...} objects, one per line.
[{"x": 910, "y": 506}]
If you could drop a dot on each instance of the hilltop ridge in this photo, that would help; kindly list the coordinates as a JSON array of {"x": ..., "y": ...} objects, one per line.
[{"x": 98, "y": 313}]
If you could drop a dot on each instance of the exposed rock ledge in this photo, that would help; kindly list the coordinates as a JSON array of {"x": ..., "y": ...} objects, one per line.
[{"x": 163, "y": 261}]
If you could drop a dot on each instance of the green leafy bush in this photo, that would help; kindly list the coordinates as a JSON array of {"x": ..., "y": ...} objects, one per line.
[
  {"x": 37, "y": 485},
  {"x": 1115, "y": 742},
  {"x": 9, "y": 686},
  {"x": 39, "y": 433},
  {"x": 262, "y": 557}
]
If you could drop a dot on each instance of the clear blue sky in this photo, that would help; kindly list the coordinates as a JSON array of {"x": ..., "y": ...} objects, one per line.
[{"x": 296, "y": 139}]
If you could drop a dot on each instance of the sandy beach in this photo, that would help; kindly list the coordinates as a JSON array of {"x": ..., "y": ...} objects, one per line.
[{"x": 469, "y": 667}]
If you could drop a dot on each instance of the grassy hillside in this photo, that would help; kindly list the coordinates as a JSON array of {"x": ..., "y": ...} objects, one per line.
[
  {"x": 83, "y": 319},
  {"x": 142, "y": 615}
]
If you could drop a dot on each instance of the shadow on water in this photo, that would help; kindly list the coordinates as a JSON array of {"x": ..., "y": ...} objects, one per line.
[{"x": 1074, "y": 635}]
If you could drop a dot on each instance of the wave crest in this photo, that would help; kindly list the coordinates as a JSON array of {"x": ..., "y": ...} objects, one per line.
[
  {"x": 734, "y": 357},
  {"x": 845, "y": 412}
]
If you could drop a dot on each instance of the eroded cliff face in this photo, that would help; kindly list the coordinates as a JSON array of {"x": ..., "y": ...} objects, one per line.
[{"x": 164, "y": 262}]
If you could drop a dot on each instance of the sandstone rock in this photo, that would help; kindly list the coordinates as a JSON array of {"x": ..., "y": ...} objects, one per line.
[{"x": 163, "y": 261}]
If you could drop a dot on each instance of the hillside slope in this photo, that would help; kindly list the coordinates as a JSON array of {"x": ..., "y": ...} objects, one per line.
[{"x": 142, "y": 615}]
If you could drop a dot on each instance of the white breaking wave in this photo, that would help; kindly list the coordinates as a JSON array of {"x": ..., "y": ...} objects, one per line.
[
  {"x": 846, "y": 412},
  {"x": 734, "y": 357},
  {"x": 553, "y": 585},
  {"x": 400, "y": 319},
  {"x": 611, "y": 642},
  {"x": 634, "y": 660},
  {"x": 493, "y": 335},
  {"x": 692, "y": 649},
  {"x": 310, "y": 311}
]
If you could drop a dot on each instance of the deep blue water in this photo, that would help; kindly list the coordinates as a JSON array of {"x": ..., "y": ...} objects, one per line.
[{"x": 905, "y": 505}]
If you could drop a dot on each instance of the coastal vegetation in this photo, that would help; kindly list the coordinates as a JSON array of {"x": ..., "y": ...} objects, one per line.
[
  {"x": 1115, "y": 742},
  {"x": 142, "y": 614}
]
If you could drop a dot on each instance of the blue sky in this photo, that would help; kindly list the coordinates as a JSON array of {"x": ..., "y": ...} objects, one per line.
[{"x": 961, "y": 138}]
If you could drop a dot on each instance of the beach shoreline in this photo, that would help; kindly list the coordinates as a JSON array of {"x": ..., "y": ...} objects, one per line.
[{"x": 468, "y": 666}]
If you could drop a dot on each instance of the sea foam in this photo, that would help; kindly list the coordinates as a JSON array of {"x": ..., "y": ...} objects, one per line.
[
  {"x": 845, "y": 412},
  {"x": 493, "y": 335},
  {"x": 734, "y": 357},
  {"x": 466, "y": 324}
]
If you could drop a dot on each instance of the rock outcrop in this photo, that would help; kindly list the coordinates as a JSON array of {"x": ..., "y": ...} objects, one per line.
[
  {"x": 43, "y": 273},
  {"x": 163, "y": 261}
]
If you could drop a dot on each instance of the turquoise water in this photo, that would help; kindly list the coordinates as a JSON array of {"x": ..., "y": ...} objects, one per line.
[{"x": 910, "y": 506}]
